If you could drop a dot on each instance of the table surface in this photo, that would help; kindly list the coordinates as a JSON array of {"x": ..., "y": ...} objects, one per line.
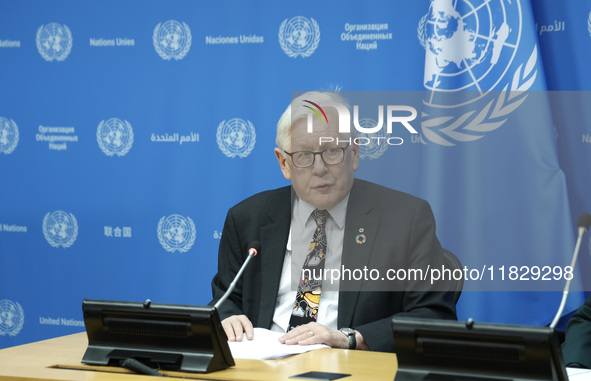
[{"x": 59, "y": 359}]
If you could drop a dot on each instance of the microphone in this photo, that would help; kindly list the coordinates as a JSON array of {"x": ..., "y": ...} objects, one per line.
[
  {"x": 255, "y": 247},
  {"x": 583, "y": 224}
]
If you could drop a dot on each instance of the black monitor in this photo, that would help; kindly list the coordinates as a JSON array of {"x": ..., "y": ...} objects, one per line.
[
  {"x": 429, "y": 349},
  {"x": 164, "y": 336}
]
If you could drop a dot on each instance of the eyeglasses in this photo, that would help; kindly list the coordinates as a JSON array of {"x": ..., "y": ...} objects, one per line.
[{"x": 330, "y": 156}]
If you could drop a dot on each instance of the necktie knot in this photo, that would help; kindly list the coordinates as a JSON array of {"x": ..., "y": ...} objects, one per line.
[{"x": 320, "y": 216}]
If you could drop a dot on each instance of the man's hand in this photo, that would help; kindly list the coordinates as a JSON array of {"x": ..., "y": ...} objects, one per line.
[
  {"x": 236, "y": 325},
  {"x": 314, "y": 333}
]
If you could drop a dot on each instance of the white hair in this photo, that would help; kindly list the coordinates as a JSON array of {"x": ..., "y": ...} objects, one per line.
[{"x": 296, "y": 111}]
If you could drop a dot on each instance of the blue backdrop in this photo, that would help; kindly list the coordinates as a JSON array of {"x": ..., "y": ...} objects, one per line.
[{"x": 127, "y": 130}]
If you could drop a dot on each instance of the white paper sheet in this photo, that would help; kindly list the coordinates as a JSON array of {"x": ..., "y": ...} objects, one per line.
[
  {"x": 577, "y": 374},
  {"x": 265, "y": 345}
]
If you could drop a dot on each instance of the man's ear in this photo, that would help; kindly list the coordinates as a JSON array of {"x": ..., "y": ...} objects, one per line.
[
  {"x": 285, "y": 168},
  {"x": 355, "y": 157}
]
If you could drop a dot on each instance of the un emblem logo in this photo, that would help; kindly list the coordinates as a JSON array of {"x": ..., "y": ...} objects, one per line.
[
  {"x": 172, "y": 40},
  {"x": 376, "y": 142},
  {"x": 471, "y": 45},
  {"x": 468, "y": 49},
  {"x": 176, "y": 233},
  {"x": 299, "y": 36},
  {"x": 114, "y": 137},
  {"x": 12, "y": 318},
  {"x": 60, "y": 229},
  {"x": 54, "y": 42},
  {"x": 236, "y": 137},
  {"x": 8, "y": 135}
]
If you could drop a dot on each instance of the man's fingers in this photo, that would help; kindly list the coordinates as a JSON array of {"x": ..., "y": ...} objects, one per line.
[
  {"x": 229, "y": 329},
  {"x": 236, "y": 325},
  {"x": 246, "y": 326},
  {"x": 307, "y": 338},
  {"x": 237, "y": 328},
  {"x": 314, "y": 333},
  {"x": 311, "y": 333}
]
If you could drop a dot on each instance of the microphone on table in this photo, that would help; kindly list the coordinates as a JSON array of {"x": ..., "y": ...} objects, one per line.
[
  {"x": 583, "y": 224},
  {"x": 254, "y": 249}
]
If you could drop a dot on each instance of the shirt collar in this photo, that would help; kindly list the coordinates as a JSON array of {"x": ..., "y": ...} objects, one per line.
[{"x": 304, "y": 210}]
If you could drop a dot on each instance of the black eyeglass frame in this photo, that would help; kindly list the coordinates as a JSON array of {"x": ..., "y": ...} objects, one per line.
[{"x": 321, "y": 153}]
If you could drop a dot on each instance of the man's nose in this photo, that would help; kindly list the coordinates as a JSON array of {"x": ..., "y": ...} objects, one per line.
[{"x": 319, "y": 165}]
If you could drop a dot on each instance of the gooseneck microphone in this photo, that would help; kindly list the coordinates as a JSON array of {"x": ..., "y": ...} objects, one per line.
[
  {"x": 583, "y": 224},
  {"x": 255, "y": 247}
]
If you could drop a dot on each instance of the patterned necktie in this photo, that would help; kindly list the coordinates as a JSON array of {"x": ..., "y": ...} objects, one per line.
[{"x": 305, "y": 308}]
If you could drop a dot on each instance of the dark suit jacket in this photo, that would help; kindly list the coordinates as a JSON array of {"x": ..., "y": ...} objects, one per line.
[
  {"x": 576, "y": 348},
  {"x": 400, "y": 231}
]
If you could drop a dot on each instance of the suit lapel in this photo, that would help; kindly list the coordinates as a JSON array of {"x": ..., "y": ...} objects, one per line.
[
  {"x": 273, "y": 242},
  {"x": 361, "y": 228}
]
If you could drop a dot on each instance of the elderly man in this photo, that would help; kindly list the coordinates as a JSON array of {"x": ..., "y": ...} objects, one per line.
[{"x": 325, "y": 220}]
